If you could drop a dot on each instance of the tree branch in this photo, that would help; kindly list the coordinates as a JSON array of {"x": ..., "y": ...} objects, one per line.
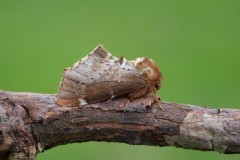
[{"x": 31, "y": 123}]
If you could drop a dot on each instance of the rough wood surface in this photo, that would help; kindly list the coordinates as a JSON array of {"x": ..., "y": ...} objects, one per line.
[{"x": 31, "y": 123}]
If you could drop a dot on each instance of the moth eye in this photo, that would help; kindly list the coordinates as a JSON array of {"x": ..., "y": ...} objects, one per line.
[{"x": 156, "y": 85}]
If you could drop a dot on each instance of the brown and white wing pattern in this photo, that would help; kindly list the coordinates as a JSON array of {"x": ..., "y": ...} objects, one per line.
[{"x": 99, "y": 77}]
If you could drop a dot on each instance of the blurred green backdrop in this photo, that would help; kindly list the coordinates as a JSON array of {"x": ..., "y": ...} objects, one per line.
[{"x": 196, "y": 44}]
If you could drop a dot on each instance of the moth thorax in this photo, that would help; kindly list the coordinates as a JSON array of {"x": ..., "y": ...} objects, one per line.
[{"x": 149, "y": 69}]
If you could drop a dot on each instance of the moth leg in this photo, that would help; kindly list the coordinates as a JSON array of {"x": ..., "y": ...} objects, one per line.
[
  {"x": 151, "y": 90},
  {"x": 138, "y": 93},
  {"x": 126, "y": 106},
  {"x": 147, "y": 90},
  {"x": 112, "y": 97}
]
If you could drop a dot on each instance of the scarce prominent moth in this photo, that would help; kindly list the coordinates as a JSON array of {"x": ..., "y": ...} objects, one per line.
[{"x": 100, "y": 77}]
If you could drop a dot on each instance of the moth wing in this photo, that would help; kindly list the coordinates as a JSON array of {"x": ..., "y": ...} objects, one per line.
[{"x": 98, "y": 77}]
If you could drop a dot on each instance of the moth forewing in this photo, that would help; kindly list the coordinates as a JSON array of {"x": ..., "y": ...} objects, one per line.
[{"x": 101, "y": 76}]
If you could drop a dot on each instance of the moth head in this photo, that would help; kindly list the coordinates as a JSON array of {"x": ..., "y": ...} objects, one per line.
[{"x": 150, "y": 71}]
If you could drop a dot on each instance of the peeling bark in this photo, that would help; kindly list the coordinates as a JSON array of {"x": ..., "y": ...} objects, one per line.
[{"x": 31, "y": 123}]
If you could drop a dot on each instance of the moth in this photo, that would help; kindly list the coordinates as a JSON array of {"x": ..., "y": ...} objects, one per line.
[{"x": 100, "y": 77}]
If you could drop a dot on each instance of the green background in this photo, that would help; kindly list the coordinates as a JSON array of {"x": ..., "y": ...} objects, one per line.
[{"x": 195, "y": 43}]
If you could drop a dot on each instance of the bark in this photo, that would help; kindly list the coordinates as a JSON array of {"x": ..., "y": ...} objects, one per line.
[{"x": 31, "y": 123}]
